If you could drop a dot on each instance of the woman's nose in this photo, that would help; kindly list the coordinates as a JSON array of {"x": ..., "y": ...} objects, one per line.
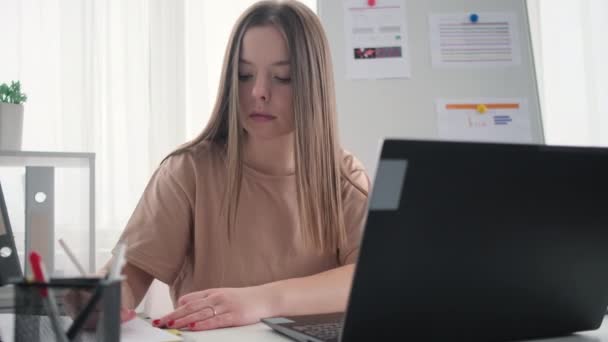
[{"x": 261, "y": 90}]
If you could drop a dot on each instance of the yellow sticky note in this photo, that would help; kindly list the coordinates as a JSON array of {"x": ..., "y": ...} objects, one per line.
[
  {"x": 174, "y": 332},
  {"x": 482, "y": 109}
]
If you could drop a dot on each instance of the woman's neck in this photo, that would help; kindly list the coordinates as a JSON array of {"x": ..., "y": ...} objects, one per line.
[{"x": 271, "y": 156}]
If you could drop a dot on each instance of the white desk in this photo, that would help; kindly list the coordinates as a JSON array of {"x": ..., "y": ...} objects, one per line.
[
  {"x": 250, "y": 333},
  {"x": 262, "y": 333}
]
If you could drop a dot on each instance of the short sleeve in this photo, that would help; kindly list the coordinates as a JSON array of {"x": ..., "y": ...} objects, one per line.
[
  {"x": 355, "y": 212},
  {"x": 158, "y": 234}
]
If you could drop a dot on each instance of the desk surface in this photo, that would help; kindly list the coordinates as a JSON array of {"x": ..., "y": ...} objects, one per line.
[{"x": 262, "y": 333}]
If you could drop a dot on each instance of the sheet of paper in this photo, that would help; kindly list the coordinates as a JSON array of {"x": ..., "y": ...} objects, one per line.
[
  {"x": 138, "y": 329},
  {"x": 376, "y": 39},
  {"x": 491, "y": 41},
  {"x": 484, "y": 119},
  {"x": 135, "y": 330}
]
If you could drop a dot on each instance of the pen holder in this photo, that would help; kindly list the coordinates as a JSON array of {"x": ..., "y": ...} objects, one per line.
[{"x": 89, "y": 310}]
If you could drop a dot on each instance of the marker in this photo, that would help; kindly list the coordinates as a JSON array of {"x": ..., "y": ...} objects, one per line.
[
  {"x": 47, "y": 295},
  {"x": 474, "y": 18},
  {"x": 72, "y": 257}
]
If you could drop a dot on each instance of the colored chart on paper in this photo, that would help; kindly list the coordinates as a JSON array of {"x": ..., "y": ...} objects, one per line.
[{"x": 497, "y": 120}]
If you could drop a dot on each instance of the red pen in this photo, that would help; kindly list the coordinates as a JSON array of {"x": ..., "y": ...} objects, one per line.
[{"x": 36, "y": 262}]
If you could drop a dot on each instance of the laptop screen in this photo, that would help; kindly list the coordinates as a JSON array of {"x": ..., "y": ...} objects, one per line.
[{"x": 468, "y": 235}]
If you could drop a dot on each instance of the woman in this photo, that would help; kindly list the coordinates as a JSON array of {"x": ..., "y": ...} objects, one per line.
[{"x": 261, "y": 214}]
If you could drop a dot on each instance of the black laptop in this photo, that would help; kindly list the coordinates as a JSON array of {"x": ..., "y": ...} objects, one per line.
[{"x": 476, "y": 242}]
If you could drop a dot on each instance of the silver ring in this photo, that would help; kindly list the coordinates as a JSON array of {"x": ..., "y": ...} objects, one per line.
[{"x": 212, "y": 309}]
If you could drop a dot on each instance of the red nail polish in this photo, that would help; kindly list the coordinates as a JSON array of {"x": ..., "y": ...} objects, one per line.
[
  {"x": 191, "y": 325},
  {"x": 171, "y": 323},
  {"x": 156, "y": 322}
]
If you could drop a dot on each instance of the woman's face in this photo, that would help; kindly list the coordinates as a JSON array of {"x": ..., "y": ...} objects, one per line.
[{"x": 265, "y": 90}]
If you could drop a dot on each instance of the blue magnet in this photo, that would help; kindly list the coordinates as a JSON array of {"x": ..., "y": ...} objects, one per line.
[{"x": 474, "y": 18}]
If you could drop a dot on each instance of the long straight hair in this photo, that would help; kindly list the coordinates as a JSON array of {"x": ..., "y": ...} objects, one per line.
[{"x": 318, "y": 166}]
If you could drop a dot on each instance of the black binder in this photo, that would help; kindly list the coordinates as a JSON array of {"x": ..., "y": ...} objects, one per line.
[{"x": 10, "y": 268}]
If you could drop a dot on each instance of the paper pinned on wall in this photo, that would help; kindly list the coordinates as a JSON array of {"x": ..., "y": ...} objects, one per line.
[
  {"x": 475, "y": 40},
  {"x": 484, "y": 119},
  {"x": 376, "y": 39}
]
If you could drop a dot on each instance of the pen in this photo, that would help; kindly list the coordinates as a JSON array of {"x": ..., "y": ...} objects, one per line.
[
  {"x": 85, "y": 313},
  {"x": 113, "y": 274},
  {"x": 117, "y": 262},
  {"x": 72, "y": 257},
  {"x": 47, "y": 295}
]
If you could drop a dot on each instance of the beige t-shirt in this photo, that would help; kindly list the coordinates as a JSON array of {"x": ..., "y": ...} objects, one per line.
[{"x": 177, "y": 235}]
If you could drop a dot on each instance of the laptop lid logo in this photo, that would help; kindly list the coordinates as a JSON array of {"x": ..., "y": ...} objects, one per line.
[{"x": 388, "y": 184}]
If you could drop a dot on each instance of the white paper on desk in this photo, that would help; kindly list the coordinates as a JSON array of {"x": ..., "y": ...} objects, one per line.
[
  {"x": 493, "y": 41},
  {"x": 139, "y": 330},
  {"x": 506, "y": 120},
  {"x": 376, "y": 39},
  {"x": 135, "y": 330}
]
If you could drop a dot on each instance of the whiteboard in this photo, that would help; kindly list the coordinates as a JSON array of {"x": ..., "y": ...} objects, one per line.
[{"x": 369, "y": 110}]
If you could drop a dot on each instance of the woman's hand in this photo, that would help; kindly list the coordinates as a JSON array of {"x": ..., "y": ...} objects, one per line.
[
  {"x": 127, "y": 315},
  {"x": 220, "y": 308}
]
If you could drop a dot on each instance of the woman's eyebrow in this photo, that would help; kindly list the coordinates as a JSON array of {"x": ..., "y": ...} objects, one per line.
[{"x": 279, "y": 63}]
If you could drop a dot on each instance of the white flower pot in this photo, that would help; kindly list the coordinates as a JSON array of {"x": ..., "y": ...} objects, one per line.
[{"x": 11, "y": 126}]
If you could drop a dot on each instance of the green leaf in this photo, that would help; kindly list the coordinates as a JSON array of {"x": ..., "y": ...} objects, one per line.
[{"x": 12, "y": 93}]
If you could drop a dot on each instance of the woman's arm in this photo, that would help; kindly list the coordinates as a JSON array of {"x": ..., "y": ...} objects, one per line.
[
  {"x": 134, "y": 286},
  {"x": 320, "y": 293},
  {"x": 226, "y": 307}
]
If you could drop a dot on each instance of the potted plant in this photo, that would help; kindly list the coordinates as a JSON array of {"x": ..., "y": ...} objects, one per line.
[{"x": 11, "y": 116}]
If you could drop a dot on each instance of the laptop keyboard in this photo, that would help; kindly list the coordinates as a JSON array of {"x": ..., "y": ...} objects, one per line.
[{"x": 322, "y": 331}]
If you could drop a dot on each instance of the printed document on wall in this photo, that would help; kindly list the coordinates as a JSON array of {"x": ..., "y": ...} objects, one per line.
[
  {"x": 376, "y": 39},
  {"x": 479, "y": 40},
  {"x": 484, "y": 119}
]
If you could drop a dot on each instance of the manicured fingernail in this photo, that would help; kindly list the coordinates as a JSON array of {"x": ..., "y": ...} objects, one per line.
[
  {"x": 156, "y": 322},
  {"x": 191, "y": 325},
  {"x": 170, "y": 323}
]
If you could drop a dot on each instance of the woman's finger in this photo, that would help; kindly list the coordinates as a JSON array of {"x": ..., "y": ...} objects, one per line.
[
  {"x": 203, "y": 314},
  {"x": 173, "y": 319},
  {"x": 220, "y": 321},
  {"x": 126, "y": 315}
]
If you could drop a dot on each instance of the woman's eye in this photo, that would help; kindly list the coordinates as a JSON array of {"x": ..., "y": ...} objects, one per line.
[
  {"x": 283, "y": 79},
  {"x": 244, "y": 77}
]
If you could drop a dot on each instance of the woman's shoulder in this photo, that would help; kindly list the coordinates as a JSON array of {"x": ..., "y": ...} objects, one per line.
[
  {"x": 191, "y": 161},
  {"x": 355, "y": 177}
]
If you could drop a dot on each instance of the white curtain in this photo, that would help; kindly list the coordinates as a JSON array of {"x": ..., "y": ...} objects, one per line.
[
  {"x": 571, "y": 54},
  {"x": 127, "y": 79},
  {"x": 103, "y": 76}
]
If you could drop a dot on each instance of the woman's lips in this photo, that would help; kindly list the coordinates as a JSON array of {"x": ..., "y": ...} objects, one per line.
[{"x": 261, "y": 117}]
